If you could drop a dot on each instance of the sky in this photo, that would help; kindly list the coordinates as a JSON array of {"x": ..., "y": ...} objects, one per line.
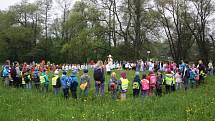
[{"x": 4, "y": 4}]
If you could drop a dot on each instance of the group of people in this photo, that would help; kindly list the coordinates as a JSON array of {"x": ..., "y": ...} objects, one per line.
[{"x": 149, "y": 78}]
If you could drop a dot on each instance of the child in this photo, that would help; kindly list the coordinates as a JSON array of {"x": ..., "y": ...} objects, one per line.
[
  {"x": 193, "y": 76},
  {"x": 56, "y": 82},
  {"x": 124, "y": 85},
  {"x": 152, "y": 82},
  {"x": 85, "y": 83},
  {"x": 197, "y": 76},
  {"x": 174, "y": 80},
  {"x": 144, "y": 86},
  {"x": 36, "y": 78},
  {"x": 178, "y": 78},
  {"x": 73, "y": 80},
  {"x": 65, "y": 85},
  {"x": 113, "y": 85},
  {"x": 168, "y": 79},
  {"x": 159, "y": 84},
  {"x": 27, "y": 79},
  {"x": 45, "y": 80},
  {"x": 6, "y": 75},
  {"x": 136, "y": 85}
]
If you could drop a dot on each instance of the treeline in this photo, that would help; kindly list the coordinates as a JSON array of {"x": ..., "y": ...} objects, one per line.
[{"x": 92, "y": 29}]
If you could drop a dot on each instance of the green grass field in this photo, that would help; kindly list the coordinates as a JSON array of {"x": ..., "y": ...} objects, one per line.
[{"x": 29, "y": 105}]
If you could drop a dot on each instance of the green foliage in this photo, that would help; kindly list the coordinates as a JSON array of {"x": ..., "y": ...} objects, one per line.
[{"x": 93, "y": 29}]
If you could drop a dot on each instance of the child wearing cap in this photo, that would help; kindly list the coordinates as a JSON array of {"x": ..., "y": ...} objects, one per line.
[
  {"x": 85, "y": 83},
  {"x": 73, "y": 80},
  {"x": 56, "y": 82}
]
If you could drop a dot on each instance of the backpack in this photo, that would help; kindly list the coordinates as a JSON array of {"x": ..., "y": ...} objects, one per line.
[
  {"x": 73, "y": 83},
  {"x": 112, "y": 86},
  {"x": 98, "y": 74},
  {"x": 145, "y": 84},
  {"x": 153, "y": 80},
  {"x": 192, "y": 75},
  {"x": 83, "y": 86},
  {"x": 136, "y": 85},
  {"x": 42, "y": 79}
]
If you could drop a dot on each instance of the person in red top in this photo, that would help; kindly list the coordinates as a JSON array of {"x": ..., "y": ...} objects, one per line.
[{"x": 152, "y": 82}]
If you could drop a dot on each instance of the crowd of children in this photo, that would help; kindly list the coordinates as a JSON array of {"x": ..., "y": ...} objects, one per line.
[{"x": 170, "y": 75}]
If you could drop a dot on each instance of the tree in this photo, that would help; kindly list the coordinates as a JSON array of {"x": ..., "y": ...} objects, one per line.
[{"x": 201, "y": 13}]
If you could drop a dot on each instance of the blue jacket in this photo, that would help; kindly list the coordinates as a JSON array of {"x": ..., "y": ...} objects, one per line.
[
  {"x": 73, "y": 80},
  {"x": 6, "y": 71},
  {"x": 36, "y": 74},
  {"x": 64, "y": 81}
]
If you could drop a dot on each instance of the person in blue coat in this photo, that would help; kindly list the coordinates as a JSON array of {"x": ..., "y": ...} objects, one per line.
[
  {"x": 36, "y": 79},
  {"x": 65, "y": 85},
  {"x": 73, "y": 80},
  {"x": 6, "y": 74}
]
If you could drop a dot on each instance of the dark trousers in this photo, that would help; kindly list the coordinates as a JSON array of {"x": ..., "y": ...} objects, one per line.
[
  {"x": 159, "y": 91},
  {"x": 74, "y": 93},
  {"x": 37, "y": 85},
  {"x": 173, "y": 87},
  {"x": 168, "y": 89},
  {"x": 66, "y": 92},
  {"x": 16, "y": 82},
  {"x": 136, "y": 92},
  {"x": 46, "y": 87}
]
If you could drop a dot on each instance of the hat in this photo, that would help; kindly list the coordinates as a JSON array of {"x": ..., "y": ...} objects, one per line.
[
  {"x": 64, "y": 72},
  {"x": 85, "y": 70},
  {"x": 123, "y": 75},
  {"x": 109, "y": 56},
  {"x": 74, "y": 72}
]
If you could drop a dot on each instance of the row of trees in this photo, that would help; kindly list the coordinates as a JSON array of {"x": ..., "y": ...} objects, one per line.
[{"x": 92, "y": 29}]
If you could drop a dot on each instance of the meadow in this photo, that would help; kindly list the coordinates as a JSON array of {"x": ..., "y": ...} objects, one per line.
[{"x": 196, "y": 104}]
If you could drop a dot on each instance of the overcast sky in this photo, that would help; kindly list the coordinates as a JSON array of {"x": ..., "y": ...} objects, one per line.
[{"x": 4, "y": 4}]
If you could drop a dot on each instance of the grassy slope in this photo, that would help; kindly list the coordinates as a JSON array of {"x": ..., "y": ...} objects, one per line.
[{"x": 24, "y": 105}]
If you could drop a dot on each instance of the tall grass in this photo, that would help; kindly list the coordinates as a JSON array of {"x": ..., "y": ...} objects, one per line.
[{"x": 28, "y": 105}]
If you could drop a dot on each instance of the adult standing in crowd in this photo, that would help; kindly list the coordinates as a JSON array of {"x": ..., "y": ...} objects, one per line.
[
  {"x": 210, "y": 68},
  {"x": 99, "y": 78},
  {"x": 6, "y": 73}
]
